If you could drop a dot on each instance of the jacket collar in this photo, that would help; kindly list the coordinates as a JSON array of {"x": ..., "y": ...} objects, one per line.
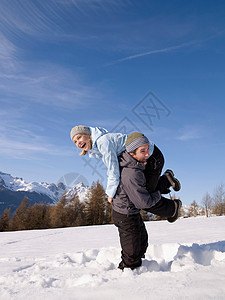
[{"x": 128, "y": 161}]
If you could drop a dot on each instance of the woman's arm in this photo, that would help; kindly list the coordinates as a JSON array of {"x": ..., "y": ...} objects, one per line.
[{"x": 110, "y": 159}]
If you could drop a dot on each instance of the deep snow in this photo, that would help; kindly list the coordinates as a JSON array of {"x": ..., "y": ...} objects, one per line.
[{"x": 184, "y": 260}]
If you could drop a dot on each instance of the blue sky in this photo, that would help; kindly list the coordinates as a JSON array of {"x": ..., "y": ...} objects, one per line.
[{"x": 153, "y": 66}]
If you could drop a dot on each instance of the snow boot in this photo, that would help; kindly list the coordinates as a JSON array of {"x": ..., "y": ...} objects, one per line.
[
  {"x": 175, "y": 183},
  {"x": 175, "y": 216},
  {"x": 122, "y": 265}
]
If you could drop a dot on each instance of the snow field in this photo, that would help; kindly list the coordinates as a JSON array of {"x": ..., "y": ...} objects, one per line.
[{"x": 57, "y": 264}]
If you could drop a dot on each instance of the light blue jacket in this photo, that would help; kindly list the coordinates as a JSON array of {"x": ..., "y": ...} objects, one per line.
[{"x": 108, "y": 146}]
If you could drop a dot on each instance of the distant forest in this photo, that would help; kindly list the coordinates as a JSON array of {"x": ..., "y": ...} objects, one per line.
[{"x": 95, "y": 210}]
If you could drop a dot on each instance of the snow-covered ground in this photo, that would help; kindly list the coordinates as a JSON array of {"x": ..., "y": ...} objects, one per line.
[{"x": 185, "y": 260}]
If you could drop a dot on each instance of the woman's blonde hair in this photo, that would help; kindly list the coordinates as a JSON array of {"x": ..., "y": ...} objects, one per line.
[{"x": 84, "y": 152}]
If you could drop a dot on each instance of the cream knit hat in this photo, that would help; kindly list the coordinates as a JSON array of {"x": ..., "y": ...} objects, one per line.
[{"x": 79, "y": 129}]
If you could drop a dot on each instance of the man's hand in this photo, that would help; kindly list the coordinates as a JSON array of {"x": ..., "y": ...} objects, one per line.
[{"x": 110, "y": 199}]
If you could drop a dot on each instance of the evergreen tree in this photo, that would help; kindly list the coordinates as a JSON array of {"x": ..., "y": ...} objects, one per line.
[
  {"x": 20, "y": 219},
  {"x": 74, "y": 211},
  {"x": 193, "y": 210},
  {"x": 4, "y": 220},
  {"x": 95, "y": 205},
  {"x": 39, "y": 216},
  {"x": 58, "y": 215},
  {"x": 45, "y": 210}
]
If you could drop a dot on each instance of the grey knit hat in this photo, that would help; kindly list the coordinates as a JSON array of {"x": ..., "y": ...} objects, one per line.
[
  {"x": 135, "y": 140},
  {"x": 79, "y": 129}
]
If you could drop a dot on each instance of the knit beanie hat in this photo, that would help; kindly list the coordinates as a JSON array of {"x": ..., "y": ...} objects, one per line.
[
  {"x": 79, "y": 129},
  {"x": 135, "y": 140}
]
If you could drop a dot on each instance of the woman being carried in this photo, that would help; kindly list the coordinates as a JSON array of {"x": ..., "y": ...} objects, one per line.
[{"x": 99, "y": 143}]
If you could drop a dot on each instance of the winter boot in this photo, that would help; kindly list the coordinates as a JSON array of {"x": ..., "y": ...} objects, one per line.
[
  {"x": 175, "y": 216},
  {"x": 121, "y": 266},
  {"x": 175, "y": 183}
]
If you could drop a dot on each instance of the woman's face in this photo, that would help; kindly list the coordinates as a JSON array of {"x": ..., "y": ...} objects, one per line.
[{"x": 82, "y": 141}]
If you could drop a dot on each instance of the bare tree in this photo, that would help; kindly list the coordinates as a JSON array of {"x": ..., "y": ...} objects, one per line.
[
  {"x": 219, "y": 200},
  {"x": 207, "y": 204}
]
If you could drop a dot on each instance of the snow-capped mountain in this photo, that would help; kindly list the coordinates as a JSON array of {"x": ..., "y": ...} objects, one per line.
[
  {"x": 16, "y": 184},
  {"x": 14, "y": 189},
  {"x": 80, "y": 189}
]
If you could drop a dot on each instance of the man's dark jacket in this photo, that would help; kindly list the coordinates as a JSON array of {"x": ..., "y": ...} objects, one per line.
[{"x": 132, "y": 195}]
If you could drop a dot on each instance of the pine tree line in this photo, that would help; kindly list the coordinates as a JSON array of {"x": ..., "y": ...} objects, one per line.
[{"x": 95, "y": 210}]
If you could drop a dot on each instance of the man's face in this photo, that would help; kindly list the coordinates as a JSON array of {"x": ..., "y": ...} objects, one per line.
[
  {"x": 82, "y": 141},
  {"x": 142, "y": 153}
]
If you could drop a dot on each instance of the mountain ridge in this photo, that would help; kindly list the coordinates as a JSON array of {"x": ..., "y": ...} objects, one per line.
[{"x": 14, "y": 189}]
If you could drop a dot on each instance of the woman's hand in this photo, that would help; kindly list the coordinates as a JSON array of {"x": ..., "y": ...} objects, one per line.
[{"x": 110, "y": 199}]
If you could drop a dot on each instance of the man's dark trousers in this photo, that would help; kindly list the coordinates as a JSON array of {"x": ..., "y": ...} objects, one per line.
[{"x": 133, "y": 238}]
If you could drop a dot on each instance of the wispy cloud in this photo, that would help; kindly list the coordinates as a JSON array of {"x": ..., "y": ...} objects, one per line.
[
  {"x": 164, "y": 50},
  {"x": 48, "y": 17},
  {"x": 8, "y": 59},
  {"x": 28, "y": 17},
  {"x": 191, "y": 133},
  {"x": 47, "y": 84},
  {"x": 30, "y": 150},
  {"x": 19, "y": 142}
]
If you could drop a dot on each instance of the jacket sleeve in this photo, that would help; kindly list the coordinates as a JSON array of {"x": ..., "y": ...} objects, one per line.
[
  {"x": 110, "y": 159},
  {"x": 134, "y": 186}
]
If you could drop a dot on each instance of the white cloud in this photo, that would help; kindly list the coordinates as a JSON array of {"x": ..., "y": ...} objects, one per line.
[
  {"x": 163, "y": 50},
  {"x": 25, "y": 145},
  {"x": 191, "y": 133},
  {"x": 8, "y": 60},
  {"x": 48, "y": 85},
  {"x": 23, "y": 140},
  {"x": 45, "y": 83},
  {"x": 166, "y": 49},
  {"x": 48, "y": 17}
]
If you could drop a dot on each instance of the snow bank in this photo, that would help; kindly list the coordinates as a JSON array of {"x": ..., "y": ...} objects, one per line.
[{"x": 81, "y": 263}]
